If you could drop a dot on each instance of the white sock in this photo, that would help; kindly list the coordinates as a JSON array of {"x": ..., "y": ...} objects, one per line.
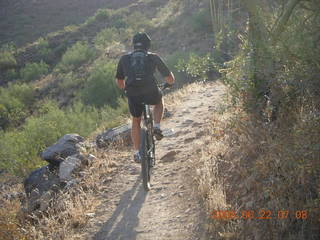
[{"x": 157, "y": 125}]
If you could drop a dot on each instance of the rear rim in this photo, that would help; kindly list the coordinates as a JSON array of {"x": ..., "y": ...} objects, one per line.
[
  {"x": 152, "y": 150},
  {"x": 145, "y": 169},
  {"x": 151, "y": 142}
]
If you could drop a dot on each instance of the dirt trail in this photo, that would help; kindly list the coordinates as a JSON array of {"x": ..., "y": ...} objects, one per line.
[{"x": 170, "y": 210}]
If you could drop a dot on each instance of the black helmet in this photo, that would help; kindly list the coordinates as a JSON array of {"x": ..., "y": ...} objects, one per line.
[{"x": 141, "y": 40}]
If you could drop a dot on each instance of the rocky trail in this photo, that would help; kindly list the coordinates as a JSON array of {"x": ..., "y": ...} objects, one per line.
[{"x": 171, "y": 209}]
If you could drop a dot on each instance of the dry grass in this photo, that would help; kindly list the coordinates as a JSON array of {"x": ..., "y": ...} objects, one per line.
[
  {"x": 177, "y": 97},
  {"x": 253, "y": 166},
  {"x": 209, "y": 185},
  {"x": 69, "y": 210}
]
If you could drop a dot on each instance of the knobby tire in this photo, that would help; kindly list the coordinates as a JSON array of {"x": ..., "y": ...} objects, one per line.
[{"x": 145, "y": 168}]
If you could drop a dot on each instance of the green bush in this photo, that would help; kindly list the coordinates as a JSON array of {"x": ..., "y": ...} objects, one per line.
[
  {"x": 70, "y": 81},
  {"x": 75, "y": 56},
  {"x": 103, "y": 14},
  {"x": 15, "y": 104},
  {"x": 105, "y": 38},
  {"x": 34, "y": 71},
  {"x": 43, "y": 48},
  {"x": 196, "y": 67},
  {"x": 172, "y": 63},
  {"x": 19, "y": 149},
  {"x": 119, "y": 23},
  {"x": 101, "y": 88},
  {"x": 7, "y": 59},
  {"x": 100, "y": 15},
  {"x": 23, "y": 92},
  {"x": 11, "y": 74}
]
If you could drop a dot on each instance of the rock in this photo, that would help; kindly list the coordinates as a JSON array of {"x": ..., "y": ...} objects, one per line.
[
  {"x": 119, "y": 134},
  {"x": 169, "y": 156},
  {"x": 187, "y": 122},
  {"x": 44, "y": 201},
  {"x": 38, "y": 183},
  {"x": 65, "y": 147},
  {"x": 64, "y": 157},
  {"x": 91, "y": 158},
  {"x": 188, "y": 140},
  {"x": 68, "y": 166},
  {"x": 88, "y": 160},
  {"x": 90, "y": 215},
  {"x": 41, "y": 179}
]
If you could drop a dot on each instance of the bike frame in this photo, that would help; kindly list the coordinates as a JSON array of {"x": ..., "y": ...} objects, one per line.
[
  {"x": 148, "y": 121},
  {"x": 147, "y": 146}
]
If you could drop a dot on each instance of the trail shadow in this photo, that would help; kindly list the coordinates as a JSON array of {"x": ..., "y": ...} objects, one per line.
[{"x": 122, "y": 223}]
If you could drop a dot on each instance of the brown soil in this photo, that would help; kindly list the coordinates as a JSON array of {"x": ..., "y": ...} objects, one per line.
[{"x": 172, "y": 209}]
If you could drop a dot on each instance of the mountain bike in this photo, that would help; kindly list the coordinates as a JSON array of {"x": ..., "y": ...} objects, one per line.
[{"x": 147, "y": 147}]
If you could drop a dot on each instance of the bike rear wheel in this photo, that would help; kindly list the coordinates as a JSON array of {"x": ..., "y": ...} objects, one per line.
[{"x": 145, "y": 161}]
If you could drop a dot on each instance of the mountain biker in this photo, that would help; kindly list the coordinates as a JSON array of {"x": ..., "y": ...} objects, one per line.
[{"x": 146, "y": 91}]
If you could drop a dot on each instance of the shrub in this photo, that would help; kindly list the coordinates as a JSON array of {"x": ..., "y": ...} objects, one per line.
[
  {"x": 34, "y": 71},
  {"x": 78, "y": 54},
  {"x": 11, "y": 74},
  {"x": 103, "y": 14},
  {"x": 101, "y": 88},
  {"x": 19, "y": 149},
  {"x": 7, "y": 59},
  {"x": 106, "y": 37},
  {"x": 43, "y": 48},
  {"x": 23, "y": 92},
  {"x": 119, "y": 23},
  {"x": 196, "y": 67},
  {"x": 172, "y": 62},
  {"x": 15, "y": 103},
  {"x": 70, "y": 81},
  {"x": 100, "y": 15},
  {"x": 12, "y": 111}
]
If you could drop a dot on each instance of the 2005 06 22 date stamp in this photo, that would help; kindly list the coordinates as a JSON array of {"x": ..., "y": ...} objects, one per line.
[{"x": 260, "y": 214}]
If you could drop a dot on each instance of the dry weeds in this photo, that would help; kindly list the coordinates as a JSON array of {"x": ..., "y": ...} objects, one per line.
[
  {"x": 253, "y": 166},
  {"x": 69, "y": 210}
]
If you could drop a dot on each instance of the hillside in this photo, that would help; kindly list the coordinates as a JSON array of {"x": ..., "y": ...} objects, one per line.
[
  {"x": 24, "y": 21},
  {"x": 72, "y": 71},
  {"x": 240, "y": 157}
]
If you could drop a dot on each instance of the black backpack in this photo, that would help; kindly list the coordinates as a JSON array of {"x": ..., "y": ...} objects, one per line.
[{"x": 138, "y": 62}]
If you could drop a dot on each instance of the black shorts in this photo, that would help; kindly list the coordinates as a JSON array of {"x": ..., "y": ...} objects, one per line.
[{"x": 136, "y": 102}]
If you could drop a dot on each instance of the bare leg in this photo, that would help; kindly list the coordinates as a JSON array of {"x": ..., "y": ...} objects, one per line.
[
  {"x": 158, "y": 112},
  {"x": 135, "y": 133}
]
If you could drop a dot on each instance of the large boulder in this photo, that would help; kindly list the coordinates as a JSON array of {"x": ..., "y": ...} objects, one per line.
[
  {"x": 69, "y": 166},
  {"x": 64, "y": 158},
  {"x": 66, "y": 146},
  {"x": 39, "y": 182},
  {"x": 119, "y": 134}
]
